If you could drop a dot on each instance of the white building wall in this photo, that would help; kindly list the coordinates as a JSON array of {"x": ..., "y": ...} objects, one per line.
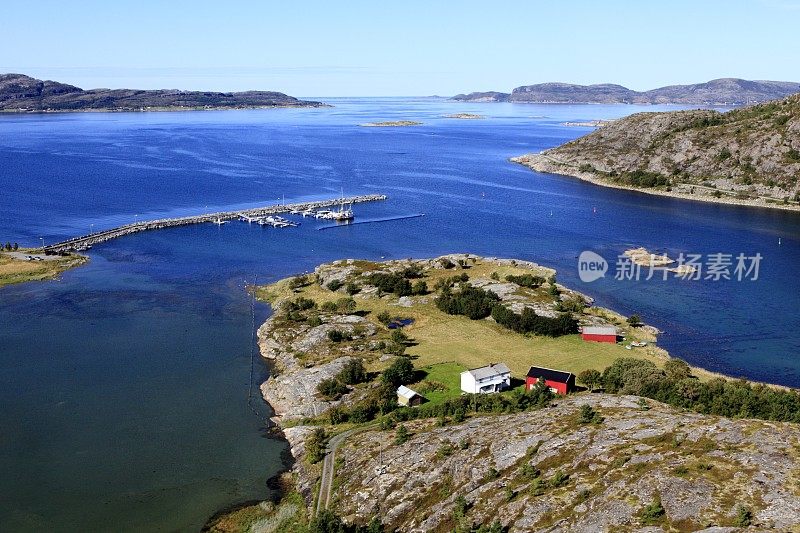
[{"x": 468, "y": 383}]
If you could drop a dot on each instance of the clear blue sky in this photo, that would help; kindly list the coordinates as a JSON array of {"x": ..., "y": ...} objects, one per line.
[{"x": 320, "y": 48}]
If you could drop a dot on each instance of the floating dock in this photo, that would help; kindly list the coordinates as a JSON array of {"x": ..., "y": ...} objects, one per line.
[{"x": 85, "y": 241}]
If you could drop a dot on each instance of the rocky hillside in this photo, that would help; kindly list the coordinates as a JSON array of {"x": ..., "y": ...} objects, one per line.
[
  {"x": 748, "y": 154},
  {"x": 725, "y": 91},
  {"x": 637, "y": 464},
  {"x": 342, "y": 340},
  {"x": 20, "y": 93}
]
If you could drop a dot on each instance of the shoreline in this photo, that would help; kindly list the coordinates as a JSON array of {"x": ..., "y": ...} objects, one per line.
[
  {"x": 27, "y": 265},
  {"x": 541, "y": 162},
  {"x": 156, "y": 109},
  {"x": 290, "y": 413}
]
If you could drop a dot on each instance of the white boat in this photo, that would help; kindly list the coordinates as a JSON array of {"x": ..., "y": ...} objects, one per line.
[
  {"x": 308, "y": 213},
  {"x": 323, "y": 214},
  {"x": 219, "y": 221}
]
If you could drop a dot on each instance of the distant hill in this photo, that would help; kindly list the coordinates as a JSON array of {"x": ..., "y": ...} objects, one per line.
[
  {"x": 724, "y": 91},
  {"x": 488, "y": 96},
  {"x": 20, "y": 93},
  {"x": 748, "y": 155}
]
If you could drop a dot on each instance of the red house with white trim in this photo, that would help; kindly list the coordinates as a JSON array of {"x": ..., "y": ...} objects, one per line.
[
  {"x": 599, "y": 334},
  {"x": 559, "y": 381}
]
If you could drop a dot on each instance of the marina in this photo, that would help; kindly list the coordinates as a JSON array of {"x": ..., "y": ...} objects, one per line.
[{"x": 264, "y": 216}]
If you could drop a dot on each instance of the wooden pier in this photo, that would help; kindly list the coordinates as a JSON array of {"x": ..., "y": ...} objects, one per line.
[{"x": 85, "y": 241}]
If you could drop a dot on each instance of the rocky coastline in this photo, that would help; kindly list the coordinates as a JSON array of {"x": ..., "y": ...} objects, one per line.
[
  {"x": 586, "y": 476},
  {"x": 542, "y": 162}
]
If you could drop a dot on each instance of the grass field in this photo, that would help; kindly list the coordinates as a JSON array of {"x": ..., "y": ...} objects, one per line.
[
  {"x": 16, "y": 270},
  {"x": 440, "y": 382},
  {"x": 444, "y": 345}
]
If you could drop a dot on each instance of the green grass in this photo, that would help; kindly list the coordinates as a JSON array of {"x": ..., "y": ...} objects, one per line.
[
  {"x": 446, "y": 374},
  {"x": 446, "y": 342}
]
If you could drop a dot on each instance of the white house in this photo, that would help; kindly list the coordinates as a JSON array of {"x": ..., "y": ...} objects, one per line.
[{"x": 491, "y": 378}]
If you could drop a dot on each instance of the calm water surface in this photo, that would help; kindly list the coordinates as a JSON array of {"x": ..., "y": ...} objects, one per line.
[{"x": 124, "y": 387}]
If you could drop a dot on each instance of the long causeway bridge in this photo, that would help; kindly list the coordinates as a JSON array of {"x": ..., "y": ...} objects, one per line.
[{"x": 85, "y": 241}]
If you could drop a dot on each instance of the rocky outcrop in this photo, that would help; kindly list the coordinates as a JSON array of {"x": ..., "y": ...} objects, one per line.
[
  {"x": 702, "y": 468},
  {"x": 749, "y": 155},
  {"x": 20, "y": 93},
  {"x": 291, "y": 389}
]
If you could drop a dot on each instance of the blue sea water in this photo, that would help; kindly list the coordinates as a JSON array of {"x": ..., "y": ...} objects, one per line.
[{"x": 125, "y": 385}]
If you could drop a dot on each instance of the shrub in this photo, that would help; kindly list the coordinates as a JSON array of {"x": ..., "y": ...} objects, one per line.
[
  {"x": 329, "y": 307},
  {"x": 391, "y": 283},
  {"x": 653, "y": 513},
  {"x": 445, "y": 450},
  {"x": 400, "y": 372},
  {"x": 744, "y": 516},
  {"x": 460, "y": 508},
  {"x": 335, "y": 285},
  {"x": 399, "y": 336},
  {"x": 363, "y": 412},
  {"x": 616, "y": 376},
  {"x": 412, "y": 272},
  {"x": 384, "y": 318},
  {"x": 591, "y": 378},
  {"x": 299, "y": 304},
  {"x": 677, "y": 369},
  {"x": 337, "y": 335},
  {"x": 345, "y": 305},
  {"x": 587, "y": 415},
  {"x": 470, "y": 301},
  {"x": 352, "y": 289},
  {"x": 529, "y": 322},
  {"x": 327, "y": 521},
  {"x": 315, "y": 446},
  {"x": 635, "y": 321},
  {"x": 331, "y": 388},
  {"x": 643, "y": 178},
  {"x": 353, "y": 372},
  {"x": 402, "y": 435},
  {"x": 559, "y": 479},
  {"x": 395, "y": 348},
  {"x": 298, "y": 281},
  {"x": 526, "y": 280},
  {"x": 420, "y": 288},
  {"x": 337, "y": 415}
]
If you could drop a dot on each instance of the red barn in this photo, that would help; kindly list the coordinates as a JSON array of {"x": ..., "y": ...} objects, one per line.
[
  {"x": 559, "y": 381},
  {"x": 599, "y": 334}
]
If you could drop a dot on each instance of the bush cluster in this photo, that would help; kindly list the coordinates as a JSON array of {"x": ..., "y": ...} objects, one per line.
[
  {"x": 529, "y": 322},
  {"x": 526, "y": 280},
  {"x": 391, "y": 283},
  {"x": 469, "y": 301},
  {"x": 719, "y": 396},
  {"x": 643, "y": 178}
]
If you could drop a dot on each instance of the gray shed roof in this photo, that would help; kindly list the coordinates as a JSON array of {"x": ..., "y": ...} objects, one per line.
[
  {"x": 489, "y": 371},
  {"x": 405, "y": 392},
  {"x": 599, "y": 330}
]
